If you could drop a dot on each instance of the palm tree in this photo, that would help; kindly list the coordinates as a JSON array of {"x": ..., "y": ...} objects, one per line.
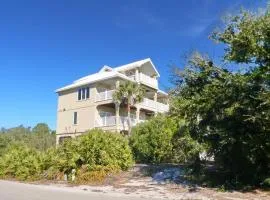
[{"x": 129, "y": 94}]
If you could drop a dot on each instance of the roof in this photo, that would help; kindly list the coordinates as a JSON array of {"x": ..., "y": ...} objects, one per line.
[
  {"x": 93, "y": 78},
  {"x": 107, "y": 72},
  {"x": 136, "y": 64},
  {"x": 162, "y": 92}
]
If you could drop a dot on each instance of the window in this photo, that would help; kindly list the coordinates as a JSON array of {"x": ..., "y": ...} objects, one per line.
[
  {"x": 75, "y": 118},
  {"x": 79, "y": 94},
  {"x": 87, "y": 93},
  {"x": 84, "y": 93}
]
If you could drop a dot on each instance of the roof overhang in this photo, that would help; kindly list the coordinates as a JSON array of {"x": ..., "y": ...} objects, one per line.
[
  {"x": 89, "y": 81},
  {"x": 162, "y": 92}
]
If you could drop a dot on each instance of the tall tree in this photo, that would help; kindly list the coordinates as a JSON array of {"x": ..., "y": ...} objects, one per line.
[
  {"x": 230, "y": 111},
  {"x": 42, "y": 138},
  {"x": 129, "y": 94},
  {"x": 41, "y": 128}
]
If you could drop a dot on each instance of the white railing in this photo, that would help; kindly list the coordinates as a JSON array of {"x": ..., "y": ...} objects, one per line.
[
  {"x": 162, "y": 107},
  {"x": 156, "y": 106},
  {"x": 133, "y": 77},
  {"x": 149, "y": 103},
  {"x": 111, "y": 121},
  {"x": 106, "y": 121},
  {"x": 106, "y": 95},
  {"x": 148, "y": 80}
]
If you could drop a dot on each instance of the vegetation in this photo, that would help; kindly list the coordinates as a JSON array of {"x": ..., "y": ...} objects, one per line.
[
  {"x": 129, "y": 94},
  {"x": 163, "y": 139},
  {"x": 40, "y": 137},
  {"x": 99, "y": 148},
  {"x": 20, "y": 162},
  {"x": 230, "y": 111},
  {"x": 91, "y": 156},
  {"x": 151, "y": 141},
  {"x": 212, "y": 110}
]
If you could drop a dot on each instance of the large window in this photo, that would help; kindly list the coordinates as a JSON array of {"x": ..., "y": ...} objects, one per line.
[
  {"x": 83, "y": 93},
  {"x": 75, "y": 118}
]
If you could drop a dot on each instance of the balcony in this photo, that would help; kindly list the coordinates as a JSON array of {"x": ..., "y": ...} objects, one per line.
[
  {"x": 153, "y": 105},
  {"x": 147, "y": 80},
  {"x": 111, "y": 121},
  {"x": 147, "y": 103}
]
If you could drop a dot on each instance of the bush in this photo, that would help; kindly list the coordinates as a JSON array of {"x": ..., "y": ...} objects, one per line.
[
  {"x": 151, "y": 141},
  {"x": 93, "y": 152},
  {"x": 64, "y": 158},
  {"x": 266, "y": 183},
  {"x": 99, "y": 148},
  {"x": 96, "y": 175},
  {"x": 93, "y": 156},
  {"x": 186, "y": 149},
  {"x": 20, "y": 162}
]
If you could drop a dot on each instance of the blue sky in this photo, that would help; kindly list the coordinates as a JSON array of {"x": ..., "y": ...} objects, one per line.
[{"x": 45, "y": 45}]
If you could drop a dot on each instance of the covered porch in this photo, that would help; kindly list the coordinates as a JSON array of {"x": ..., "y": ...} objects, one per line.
[{"x": 107, "y": 117}]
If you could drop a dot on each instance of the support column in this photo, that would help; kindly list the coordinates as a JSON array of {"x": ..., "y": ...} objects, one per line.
[
  {"x": 117, "y": 83},
  {"x": 117, "y": 108},
  {"x": 57, "y": 140},
  {"x": 155, "y": 99},
  {"x": 138, "y": 114},
  {"x": 137, "y": 75}
]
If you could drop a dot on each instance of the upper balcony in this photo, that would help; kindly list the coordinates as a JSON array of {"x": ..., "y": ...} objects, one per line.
[
  {"x": 146, "y": 103},
  {"x": 154, "y": 105},
  {"x": 143, "y": 78},
  {"x": 147, "y": 80}
]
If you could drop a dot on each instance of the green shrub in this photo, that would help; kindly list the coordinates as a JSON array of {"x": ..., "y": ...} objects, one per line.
[
  {"x": 99, "y": 148},
  {"x": 93, "y": 156},
  {"x": 96, "y": 176},
  {"x": 20, "y": 162},
  {"x": 64, "y": 158},
  {"x": 186, "y": 149},
  {"x": 266, "y": 183},
  {"x": 95, "y": 151},
  {"x": 151, "y": 141}
]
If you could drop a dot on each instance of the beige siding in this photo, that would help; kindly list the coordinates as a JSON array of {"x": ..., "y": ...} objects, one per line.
[
  {"x": 68, "y": 104},
  {"x": 85, "y": 120}
]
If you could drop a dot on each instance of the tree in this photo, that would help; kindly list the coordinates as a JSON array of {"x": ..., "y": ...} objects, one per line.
[
  {"x": 129, "y": 94},
  {"x": 42, "y": 138},
  {"x": 41, "y": 129},
  {"x": 151, "y": 141},
  {"x": 230, "y": 111}
]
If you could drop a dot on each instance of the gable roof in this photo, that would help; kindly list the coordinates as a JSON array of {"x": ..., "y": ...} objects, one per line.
[
  {"x": 107, "y": 72},
  {"x": 106, "y": 68},
  {"x": 136, "y": 64}
]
